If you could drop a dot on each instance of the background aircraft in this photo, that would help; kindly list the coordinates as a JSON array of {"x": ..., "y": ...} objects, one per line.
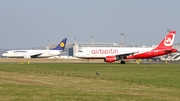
[
  {"x": 112, "y": 54},
  {"x": 36, "y": 53}
]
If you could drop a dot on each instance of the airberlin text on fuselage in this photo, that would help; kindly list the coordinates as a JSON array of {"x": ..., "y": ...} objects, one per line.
[{"x": 104, "y": 51}]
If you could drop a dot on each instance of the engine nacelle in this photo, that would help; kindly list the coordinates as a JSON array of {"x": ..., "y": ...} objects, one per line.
[
  {"x": 110, "y": 59},
  {"x": 27, "y": 56}
]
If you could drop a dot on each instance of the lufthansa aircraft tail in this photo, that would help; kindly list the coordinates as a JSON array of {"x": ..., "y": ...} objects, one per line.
[
  {"x": 167, "y": 42},
  {"x": 61, "y": 45}
]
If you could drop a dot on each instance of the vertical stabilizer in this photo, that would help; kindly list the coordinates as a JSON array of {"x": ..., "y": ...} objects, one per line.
[
  {"x": 167, "y": 42},
  {"x": 61, "y": 45}
]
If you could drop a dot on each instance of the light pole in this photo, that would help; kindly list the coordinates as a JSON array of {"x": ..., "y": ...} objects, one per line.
[
  {"x": 92, "y": 40},
  {"x": 75, "y": 44},
  {"x": 48, "y": 43},
  {"x": 168, "y": 30},
  {"x": 122, "y": 40}
]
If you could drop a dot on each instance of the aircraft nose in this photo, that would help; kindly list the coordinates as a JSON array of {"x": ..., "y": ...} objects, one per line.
[
  {"x": 4, "y": 54},
  {"x": 76, "y": 55}
]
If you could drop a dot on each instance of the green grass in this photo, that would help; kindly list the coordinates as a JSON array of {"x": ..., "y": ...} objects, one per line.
[{"x": 75, "y": 81}]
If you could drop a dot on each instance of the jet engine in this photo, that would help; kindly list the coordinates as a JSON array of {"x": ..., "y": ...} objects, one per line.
[
  {"x": 27, "y": 56},
  {"x": 110, "y": 59}
]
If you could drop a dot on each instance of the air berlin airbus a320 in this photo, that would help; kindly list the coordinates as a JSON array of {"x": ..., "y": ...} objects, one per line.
[{"x": 112, "y": 54}]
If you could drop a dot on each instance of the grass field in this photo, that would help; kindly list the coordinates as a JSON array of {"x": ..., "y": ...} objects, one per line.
[{"x": 89, "y": 82}]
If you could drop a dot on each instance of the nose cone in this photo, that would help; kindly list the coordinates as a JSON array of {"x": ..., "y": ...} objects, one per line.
[
  {"x": 76, "y": 54},
  {"x": 4, "y": 55}
]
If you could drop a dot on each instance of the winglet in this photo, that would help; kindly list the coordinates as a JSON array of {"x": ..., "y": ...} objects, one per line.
[
  {"x": 167, "y": 42},
  {"x": 61, "y": 45}
]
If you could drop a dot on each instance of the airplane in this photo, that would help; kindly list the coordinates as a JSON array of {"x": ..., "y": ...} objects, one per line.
[
  {"x": 36, "y": 53},
  {"x": 112, "y": 54}
]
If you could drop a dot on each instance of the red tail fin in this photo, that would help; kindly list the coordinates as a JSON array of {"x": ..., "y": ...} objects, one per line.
[{"x": 167, "y": 42}]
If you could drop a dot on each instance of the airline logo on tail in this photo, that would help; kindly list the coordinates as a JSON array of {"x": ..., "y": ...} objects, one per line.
[
  {"x": 169, "y": 39},
  {"x": 62, "y": 44}
]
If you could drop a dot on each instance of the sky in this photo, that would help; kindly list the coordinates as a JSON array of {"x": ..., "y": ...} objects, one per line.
[{"x": 31, "y": 23}]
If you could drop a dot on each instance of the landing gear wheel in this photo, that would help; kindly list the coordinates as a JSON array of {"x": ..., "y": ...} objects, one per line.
[
  {"x": 87, "y": 62},
  {"x": 122, "y": 62}
]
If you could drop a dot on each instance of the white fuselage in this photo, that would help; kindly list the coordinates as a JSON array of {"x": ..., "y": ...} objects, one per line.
[
  {"x": 102, "y": 52},
  {"x": 28, "y": 53}
]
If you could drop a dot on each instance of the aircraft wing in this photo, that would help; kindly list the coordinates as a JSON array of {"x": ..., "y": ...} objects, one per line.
[
  {"x": 124, "y": 55},
  {"x": 35, "y": 55}
]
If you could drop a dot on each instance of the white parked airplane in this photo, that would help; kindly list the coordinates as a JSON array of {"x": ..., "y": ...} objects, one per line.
[
  {"x": 112, "y": 54},
  {"x": 36, "y": 53}
]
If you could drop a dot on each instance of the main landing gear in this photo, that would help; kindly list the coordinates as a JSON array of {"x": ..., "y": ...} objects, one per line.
[
  {"x": 87, "y": 62},
  {"x": 122, "y": 62}
]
